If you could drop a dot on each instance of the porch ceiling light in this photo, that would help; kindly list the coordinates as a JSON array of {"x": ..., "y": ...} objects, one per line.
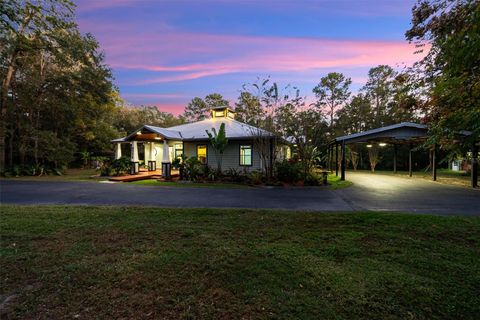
[
  {"x": 382, "y": 144},
  {"x": 139, "y": 132},
  {"x": 158, "y": 138},
  {"x": 369, "y": 145}
]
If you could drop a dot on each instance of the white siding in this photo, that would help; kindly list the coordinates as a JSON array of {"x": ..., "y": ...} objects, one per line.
[{"x": 231, "y": 155}]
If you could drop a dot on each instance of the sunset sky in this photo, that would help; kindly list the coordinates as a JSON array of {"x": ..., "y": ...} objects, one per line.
[{"x": 164, "y": 53}]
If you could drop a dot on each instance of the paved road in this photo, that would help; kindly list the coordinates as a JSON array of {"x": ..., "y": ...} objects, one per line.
[
  {"x": 33, "y": 192},
  {"x": 369, "y": 192},
  {"x": 383, "y": 192}
]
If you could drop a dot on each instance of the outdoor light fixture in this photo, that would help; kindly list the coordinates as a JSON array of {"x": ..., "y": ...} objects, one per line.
[
  {"x": 139, "y": 132},
  {"x": 158, "y": 138},
  {"x": 382, "y": 144},
  {"x": 369, "y": 145}
]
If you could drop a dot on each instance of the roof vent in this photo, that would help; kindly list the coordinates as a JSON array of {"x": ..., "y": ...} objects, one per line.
[{"x": 222, "y": 112}]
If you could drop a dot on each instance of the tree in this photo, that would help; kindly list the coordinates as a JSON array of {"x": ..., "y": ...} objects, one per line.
[
  {"x": 373, "y": 157},
  {"x": 451, "y": 69},
  {"x": 27, "y": 28},
  {"x": 219, "y": 143},
  {"x": 379, "y": 90},
  {"x": 356, "y": 116},
  {"x": 196, "y": 110},
  {"x": 332, "y": 92},
  {"x": 215, "y": 100},
  {"x": 248, "y": 109}
]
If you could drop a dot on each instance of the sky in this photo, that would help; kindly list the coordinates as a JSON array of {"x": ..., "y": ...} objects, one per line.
[{"x": 166, "y": 52}]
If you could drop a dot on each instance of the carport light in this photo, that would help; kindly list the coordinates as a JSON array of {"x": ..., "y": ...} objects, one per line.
[
  {"x": 369, "y": 145},
  {"x": 382, "y": 144}
]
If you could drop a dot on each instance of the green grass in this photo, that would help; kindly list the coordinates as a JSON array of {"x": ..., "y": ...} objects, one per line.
[
  {"x": 70, "y": 175},
  {"x": 335, "y": 182},
  {"x": 114, "y": 262},
  {"x": 154, "y": 182}
]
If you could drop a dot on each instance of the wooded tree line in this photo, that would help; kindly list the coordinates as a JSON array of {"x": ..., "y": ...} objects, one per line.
[{"x": 58, "y": 99}]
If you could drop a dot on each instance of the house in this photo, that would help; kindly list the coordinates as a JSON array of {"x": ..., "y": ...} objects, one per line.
[{"x": 249, "y": 148}]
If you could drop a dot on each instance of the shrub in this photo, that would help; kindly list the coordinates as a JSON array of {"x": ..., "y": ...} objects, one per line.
[
  {"x": 289, "y": 172},
  {"x": 312, "y": 179},
  {"x": 256, "y": 177},
  {"x": 121, "y": 166}
]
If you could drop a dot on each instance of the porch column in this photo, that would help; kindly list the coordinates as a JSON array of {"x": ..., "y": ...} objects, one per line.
[
  {"x": 134, "y": 158},
  {"x": 118, "y": 151},
  {"x": 434, "y": 162},
  {"x": 152, "y": 162},
  {"x": 336, "y": 159},
  {"x": 410, "y": 160},
  {"x": 329, "y": 163},
  {"x": 342, "y": 165},
  {"x": 166, "y": 165},
  {"x": 394, "y": 158},
  {"x": 474, "y": 171}
]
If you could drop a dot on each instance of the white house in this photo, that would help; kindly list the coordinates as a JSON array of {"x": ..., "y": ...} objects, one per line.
[{"x": 248, "y": 147}]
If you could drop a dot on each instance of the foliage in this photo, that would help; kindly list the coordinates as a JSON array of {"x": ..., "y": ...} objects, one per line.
[
  {"x": 248, "y": 109},
  {"x": 289, "y": 171},
  {"x": 192, "y": 169},
  {"x": 198, "y": 109},
  {"x": 332, "y": 92},
  {"x": 219, "y": 142},
  {"x": 121, "y": 166},
  {"x": 450, "y": 70},
  {"x": 255, "y": 177},
  {"x": 56, "y": 95}
]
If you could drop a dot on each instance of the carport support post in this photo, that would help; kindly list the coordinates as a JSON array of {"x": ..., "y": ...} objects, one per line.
[
  {"x": 410, "y": 160},
  {"x": 434, "y": 162},
  {"x": 342, "y": 165},
  {"x": 328, "y": 158},
  {"x": 394, "y": 158},
  {"x": 336, "y": 159},
  {"x": 474, "y": 172}
]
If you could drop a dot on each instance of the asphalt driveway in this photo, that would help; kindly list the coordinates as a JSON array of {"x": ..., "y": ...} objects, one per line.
[{"x": 369, "y": 192}]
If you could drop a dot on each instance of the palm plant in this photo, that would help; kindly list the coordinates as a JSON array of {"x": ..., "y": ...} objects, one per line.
[{"x": 219, "y": 142}]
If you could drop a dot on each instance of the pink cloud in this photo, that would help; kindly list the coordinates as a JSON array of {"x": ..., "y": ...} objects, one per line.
[{"x": 221, "y": 54}]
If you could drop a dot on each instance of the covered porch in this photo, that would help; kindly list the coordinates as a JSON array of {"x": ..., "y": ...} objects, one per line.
[{"x": 151, "y": 151}]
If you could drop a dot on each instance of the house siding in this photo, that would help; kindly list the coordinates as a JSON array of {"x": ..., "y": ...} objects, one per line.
[{"x": 231, "y": 155}]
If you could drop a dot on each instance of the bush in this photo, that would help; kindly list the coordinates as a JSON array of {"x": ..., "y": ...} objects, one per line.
[
  {"x": 256, "y": 177},
  {"x": 289, "y": 172},
  {"x": 193, "y": 169},
  {"x": 312, "y": 179},
  {"x": 121, "y": 166}
]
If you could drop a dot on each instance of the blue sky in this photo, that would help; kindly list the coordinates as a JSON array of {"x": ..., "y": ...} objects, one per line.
[{"x": 164, "y": 53}]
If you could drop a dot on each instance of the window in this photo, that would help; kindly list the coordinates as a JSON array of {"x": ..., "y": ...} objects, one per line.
[
  {"x": 178, "y": 150},
  {"x": 202, "y": 153},
  {"x": 219, "y": 113},
  {"x": 245, "y": 155}
]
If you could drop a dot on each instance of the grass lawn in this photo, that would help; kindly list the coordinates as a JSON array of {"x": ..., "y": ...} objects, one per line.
[
  {"x": 142, "y": 263},
  {"x": 75, "y": 174},
  {"x": 335, "y": 182}
]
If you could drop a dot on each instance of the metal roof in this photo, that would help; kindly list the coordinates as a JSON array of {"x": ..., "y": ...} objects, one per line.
[
  {"x": 197, "y": 130},
  {"x": 233, "y": 129},
  {"x": 399, "y": 131}
]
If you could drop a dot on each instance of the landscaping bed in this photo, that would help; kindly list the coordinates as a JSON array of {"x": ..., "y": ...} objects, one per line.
[{"x": 115, "y": 262}]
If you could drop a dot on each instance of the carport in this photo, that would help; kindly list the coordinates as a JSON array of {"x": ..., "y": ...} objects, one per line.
[{"x": 405, "y": 133}]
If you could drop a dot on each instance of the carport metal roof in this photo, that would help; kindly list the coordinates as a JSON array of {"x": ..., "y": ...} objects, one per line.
[
  {"x": 396, "y": 133},
  {"x": 400, "y": 133}
]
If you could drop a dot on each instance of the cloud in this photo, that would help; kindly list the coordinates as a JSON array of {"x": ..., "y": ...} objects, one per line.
[{"x": 213, "y": 55}]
